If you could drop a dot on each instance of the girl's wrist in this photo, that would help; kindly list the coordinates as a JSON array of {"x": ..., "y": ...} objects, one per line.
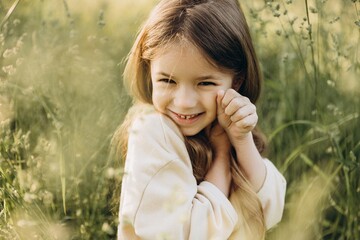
[
  {"x": 221, "y": 165},
  {"x": 244, "y": 141},
  {"x": 219, "y": 174}
]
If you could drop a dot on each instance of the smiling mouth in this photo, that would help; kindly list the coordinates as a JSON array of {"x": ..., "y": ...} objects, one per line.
[{"x": 186, "y": 116}]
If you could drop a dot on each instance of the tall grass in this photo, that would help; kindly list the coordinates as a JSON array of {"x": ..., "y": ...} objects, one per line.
[
  {"x": 309, "y": 52},
  {"x": 61, "y": 99}
]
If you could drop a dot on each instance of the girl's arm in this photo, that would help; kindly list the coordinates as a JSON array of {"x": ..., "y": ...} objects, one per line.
[
  {"x": 237, "y": 115},
  {"x": 219, "y": 173},
  {"x": 250, "y": 161},
  {"x": 160, "y": 198}
]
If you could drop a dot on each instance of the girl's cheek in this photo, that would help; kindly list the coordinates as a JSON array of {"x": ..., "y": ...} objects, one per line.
[
  {"x": 157, "y": 93},
  {"x": 210, "y": 97}
]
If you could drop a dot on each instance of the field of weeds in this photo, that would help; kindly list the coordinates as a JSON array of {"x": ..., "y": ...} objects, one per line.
[{"x": 61, "y": 99}]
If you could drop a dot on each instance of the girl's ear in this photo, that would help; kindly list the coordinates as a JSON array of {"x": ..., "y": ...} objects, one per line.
[{"x": 236, "y": 83}]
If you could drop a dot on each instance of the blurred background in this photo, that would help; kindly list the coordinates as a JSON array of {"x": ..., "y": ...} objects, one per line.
[{"x": 61, "y": 100}]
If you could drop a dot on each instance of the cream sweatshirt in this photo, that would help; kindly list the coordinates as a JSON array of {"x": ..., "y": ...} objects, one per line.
[{"x": 160, "y": 198}]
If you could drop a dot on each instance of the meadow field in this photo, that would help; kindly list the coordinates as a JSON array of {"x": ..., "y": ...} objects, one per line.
[{"x": 61, "y": 100}]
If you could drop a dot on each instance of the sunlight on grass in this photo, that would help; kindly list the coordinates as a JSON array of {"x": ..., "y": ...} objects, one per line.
[
  {"x": 61, "y": 99},
  {"x": 305, "y": 208}
]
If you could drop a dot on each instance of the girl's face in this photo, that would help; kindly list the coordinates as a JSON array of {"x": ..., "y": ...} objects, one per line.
[{"x": 185, "y": 86}]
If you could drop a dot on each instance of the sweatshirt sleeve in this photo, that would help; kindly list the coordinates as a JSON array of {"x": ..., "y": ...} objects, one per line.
[
  {"x": 160, "y": 198},
  {"x": 272, "y": 195}
]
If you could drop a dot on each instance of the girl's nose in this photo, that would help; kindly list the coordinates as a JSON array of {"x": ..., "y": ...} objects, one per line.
[{"x": 185, "y": 98}]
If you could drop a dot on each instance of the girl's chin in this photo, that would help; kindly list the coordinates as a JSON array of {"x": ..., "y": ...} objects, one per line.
[
  {"x": 188, "y": 132},
  {"x": 193, "y": 132}
]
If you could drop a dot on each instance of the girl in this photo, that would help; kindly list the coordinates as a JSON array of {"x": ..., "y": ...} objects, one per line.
[{"x": 193, "y": 165}]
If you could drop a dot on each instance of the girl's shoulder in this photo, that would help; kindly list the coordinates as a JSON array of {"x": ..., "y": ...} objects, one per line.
[
  {"x": 151, "y": 130},
  {"x": 145, "y": 120}
]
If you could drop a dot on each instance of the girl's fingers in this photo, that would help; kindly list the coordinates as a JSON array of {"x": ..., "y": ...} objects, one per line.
[
  {"x": 235, "y": 104},
  {"x": 243, "y": 112},
  {"x": 220, "y": 96},
  {"x": 235, "y": 109},
  {"x": 247, "y": 123},
  {"x": 233, "y": 101},
  {"x": 229, "y": 95},
  {"x": 219, "y": 99}
]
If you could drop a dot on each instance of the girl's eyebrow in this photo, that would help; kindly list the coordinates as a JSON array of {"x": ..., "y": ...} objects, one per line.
[
  {"x": 165, "y": 74},
  {"x": 205, "y": 77}
]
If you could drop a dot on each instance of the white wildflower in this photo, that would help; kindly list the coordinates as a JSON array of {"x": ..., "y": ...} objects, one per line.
[
  {"x": 110, "y": 173},
  {"x": 107, "y": 228},
  {"x": 78, "y": 212},
  {"x": 29, "y": 197},
  {"x": 25, "y": 223},
  {"x": 47, "y": 198},
  {"x": 19, "y": 61},
  {"x": 34, "y": 186},
  {"x": 10, "y": 52},
  {"x": 9, "y": 69},
  {"x": 330, "y": 83},
  {"x": 16, "y": 21}
]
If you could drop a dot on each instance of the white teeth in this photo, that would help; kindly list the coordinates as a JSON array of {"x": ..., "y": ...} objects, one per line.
[{"x": 187, "y": 116}]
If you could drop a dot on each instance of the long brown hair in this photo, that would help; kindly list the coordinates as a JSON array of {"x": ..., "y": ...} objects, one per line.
[{"x": 219, "y": 30}]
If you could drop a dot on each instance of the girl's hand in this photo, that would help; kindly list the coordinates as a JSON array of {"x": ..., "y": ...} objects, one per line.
[{"x": 236, "y": 114}]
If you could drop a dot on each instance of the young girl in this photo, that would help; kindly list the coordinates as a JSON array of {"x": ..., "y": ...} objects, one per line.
[{"x": 193, "y": 166}]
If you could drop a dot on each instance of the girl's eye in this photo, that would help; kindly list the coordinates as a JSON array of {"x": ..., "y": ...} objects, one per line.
[
  {"x": 207, "y": 84},
  {"x": 167, "y": 80}
]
